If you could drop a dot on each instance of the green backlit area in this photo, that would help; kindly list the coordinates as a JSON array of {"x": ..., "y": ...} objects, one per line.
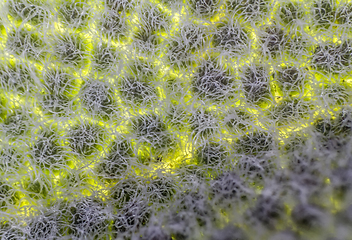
[{"x": 191, "y": 119}]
